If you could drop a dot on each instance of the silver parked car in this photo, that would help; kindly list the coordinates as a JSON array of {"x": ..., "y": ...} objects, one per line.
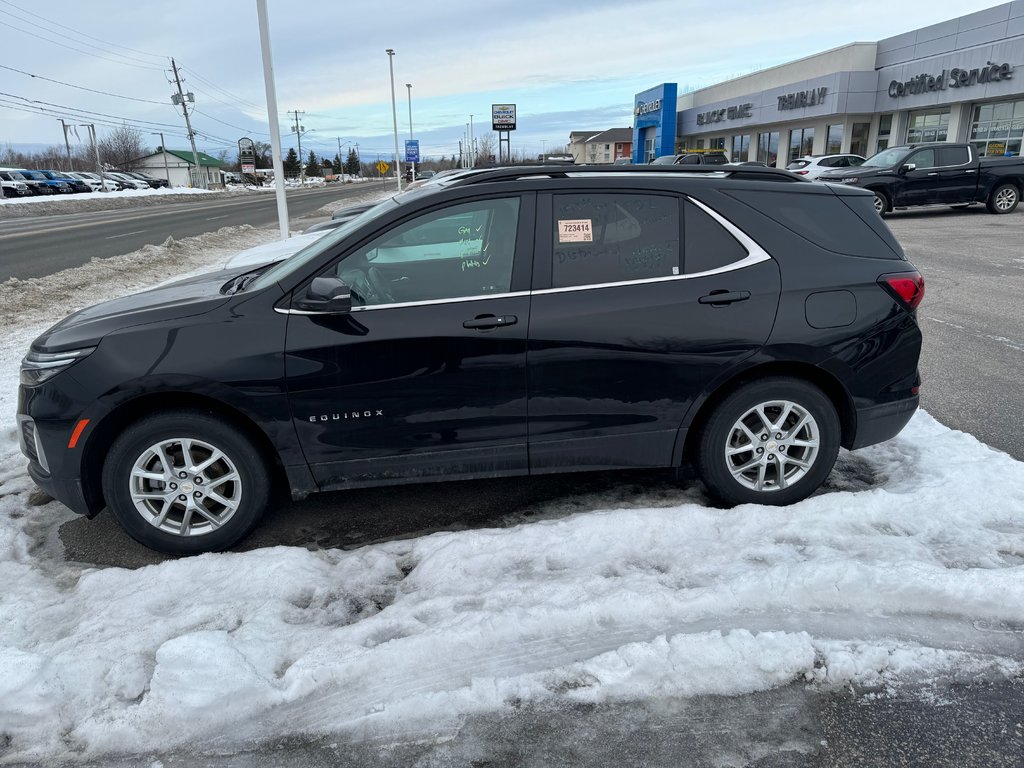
[{"x": 812, "y": 166}]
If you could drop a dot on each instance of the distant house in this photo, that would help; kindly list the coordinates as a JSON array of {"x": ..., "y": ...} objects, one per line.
[
  {"x": 577, "y": 144},
  {"x": 608, "y": 146},
  {"x": 178, "y": 165}
]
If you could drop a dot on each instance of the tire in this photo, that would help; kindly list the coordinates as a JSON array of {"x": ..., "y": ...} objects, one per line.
[
  {"x": 1004, "y": 199},
  {"x": 882, "y": 205},
  {"x": 169, "y": 519},
  {"x": 809, "y": 426}
]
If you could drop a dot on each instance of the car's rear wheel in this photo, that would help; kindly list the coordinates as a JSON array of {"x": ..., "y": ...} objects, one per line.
[
  {"x": 881, "y": 203},
  {"x": 772, "y": 441},
  {"x": 185, "y": 482},
  {"x": 1003, "y": 199}
]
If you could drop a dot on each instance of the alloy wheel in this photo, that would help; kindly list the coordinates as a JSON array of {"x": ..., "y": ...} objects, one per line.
[
  {"x": 185, "y": 487},
  {"x": 772, "y": 446}
]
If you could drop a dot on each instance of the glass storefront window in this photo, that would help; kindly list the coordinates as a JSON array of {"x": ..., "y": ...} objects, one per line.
[
  {"x": 740, "y": 149},
  {"x": 997, "y": 129},
  {"x": 834, "y": 140},
  {"x": 801, "y": 142},
  {"x": 768, "y": 148},
  {"x": 859, "y": 139},
  {"x": 884, "y": 129},
  {"x": 928, "y": 126},
  {"x": 717, "y": 143}
]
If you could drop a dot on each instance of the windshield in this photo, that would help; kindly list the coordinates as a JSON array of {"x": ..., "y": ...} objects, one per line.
[
  {"x": 34, "y": 175},
  {"x": 298, "y": 260},
  {"x": 886, "y": 158}
]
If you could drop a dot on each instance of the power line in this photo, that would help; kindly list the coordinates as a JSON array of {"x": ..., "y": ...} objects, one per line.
[
  {"x": 229, "y": 94},
  {"x": 79, "y": 50},
  {"x": 85, "y": 111},
  {"x": 229, "y": 125},
  {"x": 75, "y": 31},
  {"x": 80, "y": 87}
]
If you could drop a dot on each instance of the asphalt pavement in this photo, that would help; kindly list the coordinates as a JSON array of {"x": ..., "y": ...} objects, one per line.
[{"x": 42, "y": 245}]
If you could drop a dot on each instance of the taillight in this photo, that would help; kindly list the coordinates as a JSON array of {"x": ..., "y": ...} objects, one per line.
[
  {"x": 800, "y": 173},
  {"x": 908, "y": 287}
]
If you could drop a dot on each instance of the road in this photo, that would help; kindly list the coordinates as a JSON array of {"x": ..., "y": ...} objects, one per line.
[{"x": 38, "y": 246}]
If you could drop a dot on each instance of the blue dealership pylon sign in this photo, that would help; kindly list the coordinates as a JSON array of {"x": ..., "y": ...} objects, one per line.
[{"x": 412, "y": 151}]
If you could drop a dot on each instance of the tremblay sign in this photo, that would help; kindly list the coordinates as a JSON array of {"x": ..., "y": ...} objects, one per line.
[
  {"x": 729, "y": 113},
  {"x": 952, "y": 78},
  {"x": 811, "y": 98}
]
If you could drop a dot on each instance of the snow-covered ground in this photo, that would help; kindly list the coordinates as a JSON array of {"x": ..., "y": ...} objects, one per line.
[
  {"x": 81, "y": 196},
  {"x": 907, "y": 568}
]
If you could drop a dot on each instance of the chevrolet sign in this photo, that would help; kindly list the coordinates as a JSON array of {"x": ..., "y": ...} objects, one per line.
[{"x": 650, "y": 106}]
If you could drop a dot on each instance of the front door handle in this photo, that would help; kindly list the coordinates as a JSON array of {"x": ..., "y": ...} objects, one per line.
[
  {"x": 484, "y": 322},
  {"x": 721, "y": 298},
  {"x": 934, "y": 173}
]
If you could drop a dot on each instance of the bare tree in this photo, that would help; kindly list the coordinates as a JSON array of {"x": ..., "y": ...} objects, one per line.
[
  {"x": 122, "y": 147},
  {"x": 484, "y": 149}
]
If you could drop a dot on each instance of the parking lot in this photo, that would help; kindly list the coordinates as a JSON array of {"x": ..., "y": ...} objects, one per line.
[{"x": 972, "y": 364}]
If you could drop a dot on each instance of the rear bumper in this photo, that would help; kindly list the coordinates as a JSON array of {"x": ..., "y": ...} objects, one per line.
[{"x": 879, "y": 423}]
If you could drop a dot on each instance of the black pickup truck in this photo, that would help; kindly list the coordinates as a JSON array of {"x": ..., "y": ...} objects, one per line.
[{"x": 938, "y": 173}]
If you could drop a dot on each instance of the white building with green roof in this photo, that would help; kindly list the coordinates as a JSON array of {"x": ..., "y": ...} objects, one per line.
[{"x": 177, "y": 166}]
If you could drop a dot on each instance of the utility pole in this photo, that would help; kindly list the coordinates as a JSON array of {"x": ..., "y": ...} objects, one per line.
[
  {"x": 96, "y": 153},
  {"x": 341, "y": 162},
  {"x": 180, "y": 98},
  {"x": 67, "y": 144},
  {"x": 359, "y": 160},
  {"x": 394, "y": 114},
  {"x": 298, "y": 129},
  {"x": 472, "y": 144},
  {"x": 411, "y": 165}
]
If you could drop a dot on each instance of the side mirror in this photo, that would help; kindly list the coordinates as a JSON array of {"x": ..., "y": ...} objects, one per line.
[
  {"x": 326, "y": 295},
  {"x": 907, "y": 167}
]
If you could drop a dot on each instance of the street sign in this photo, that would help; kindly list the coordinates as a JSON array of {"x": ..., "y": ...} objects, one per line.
[
  {"x": 503, "y": 117},
  {"x": 247, "y": 155},
  {"x": 383, "y": 167},
  {"x": 412, "y": 151}
]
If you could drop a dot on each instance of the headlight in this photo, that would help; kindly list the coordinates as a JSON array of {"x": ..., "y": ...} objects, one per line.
[{"x": 38, "y": 367}]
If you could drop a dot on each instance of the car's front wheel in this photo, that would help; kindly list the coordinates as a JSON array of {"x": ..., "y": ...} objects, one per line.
[
  {"x": 185, "y": 482},
  {"x": 772, "y": 441}
]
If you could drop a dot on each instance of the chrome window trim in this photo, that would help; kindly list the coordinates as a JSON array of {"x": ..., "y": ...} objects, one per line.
[{"x": 755, "y": 255}]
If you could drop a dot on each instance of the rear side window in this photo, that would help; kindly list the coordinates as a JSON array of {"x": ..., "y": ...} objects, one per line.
[
  {"x": 610, "y": 238},
  {"x": 829, "y": 221},
  {"x": 707, "y": 244},
  {"x": 952, "y": 156}
]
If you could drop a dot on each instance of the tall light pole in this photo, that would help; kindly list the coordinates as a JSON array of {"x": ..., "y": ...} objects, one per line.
[
  {"x": 411, "y": 165},
  {"x": 275, "y": 126},
  {"x": 472, "y": 144},
  {"x": 394, "y": 114}
]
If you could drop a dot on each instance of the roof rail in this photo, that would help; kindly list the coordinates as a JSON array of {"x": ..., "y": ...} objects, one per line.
[{"x": 510, "y": 173}]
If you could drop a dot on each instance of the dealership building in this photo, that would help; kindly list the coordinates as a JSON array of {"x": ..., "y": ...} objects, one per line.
[{"x": 960, "y": 80}]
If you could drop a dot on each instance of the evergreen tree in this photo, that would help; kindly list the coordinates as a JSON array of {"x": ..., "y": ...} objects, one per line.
[
  {"x": 312, "y": 165},
  {"x": 352, "y": 163},
  {"x": 291, "y": 164},
  {"x": 336, "y": 165}
]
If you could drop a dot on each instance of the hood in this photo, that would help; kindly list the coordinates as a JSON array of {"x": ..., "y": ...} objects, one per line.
[
  {"x": 183, "y": 298},
  {"x": 268, "y": 253}
]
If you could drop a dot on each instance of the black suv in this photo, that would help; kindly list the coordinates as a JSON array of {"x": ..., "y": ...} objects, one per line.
[{"x": 509, "y": 322}]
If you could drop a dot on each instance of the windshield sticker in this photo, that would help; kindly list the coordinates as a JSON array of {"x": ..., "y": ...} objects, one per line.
[{"x": 574, "y": 231}]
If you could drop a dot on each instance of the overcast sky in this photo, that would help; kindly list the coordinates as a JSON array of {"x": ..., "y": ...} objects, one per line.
[{"x": 568, "y": 66}]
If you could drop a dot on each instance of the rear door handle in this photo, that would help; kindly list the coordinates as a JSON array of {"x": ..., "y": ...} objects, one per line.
[
  {"x": 720, "y": 298},
  {"x": 484, "y": 322},
  {"x": 934, "y": 173}
]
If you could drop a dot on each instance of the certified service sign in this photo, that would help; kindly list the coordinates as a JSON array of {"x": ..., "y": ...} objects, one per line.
[{"x": 503, "y": 117}]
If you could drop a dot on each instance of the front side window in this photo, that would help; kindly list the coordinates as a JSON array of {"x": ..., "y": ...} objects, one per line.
[
  {"x": 611, "y": 238},
  {"x": 459, "y": 251},
  {"x": 923, "y": 158}
]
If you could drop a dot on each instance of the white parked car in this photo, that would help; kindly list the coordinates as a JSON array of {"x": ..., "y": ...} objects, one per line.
[
  {"x": 127, "y": 180},
  {"x": 93, "y": 180},
  {"x": 811, "y": 166}
]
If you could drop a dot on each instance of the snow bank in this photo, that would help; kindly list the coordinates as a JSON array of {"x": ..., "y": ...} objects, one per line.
[
  {"x": 19, "y": 207},
  {"x": 907, "y": 567}
]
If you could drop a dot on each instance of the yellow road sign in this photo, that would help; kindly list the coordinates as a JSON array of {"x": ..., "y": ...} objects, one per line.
[{"x": 383, "y": 167}]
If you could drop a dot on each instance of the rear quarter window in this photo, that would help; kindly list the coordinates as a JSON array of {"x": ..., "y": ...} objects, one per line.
[{"x": 836, "y": 223}]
